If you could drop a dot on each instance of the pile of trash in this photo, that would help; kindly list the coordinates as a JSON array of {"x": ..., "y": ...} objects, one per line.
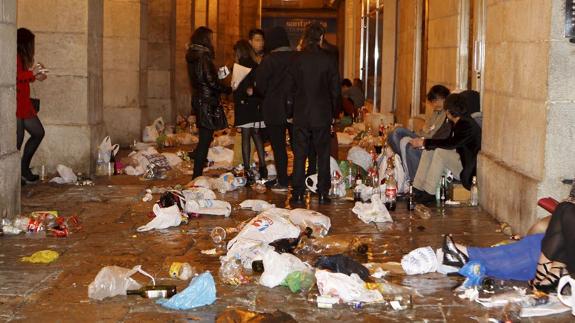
[{"x": 41, "y": 223}]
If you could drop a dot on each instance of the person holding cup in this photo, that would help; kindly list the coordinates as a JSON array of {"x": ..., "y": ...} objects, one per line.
[{"x": 26, "y": 108}]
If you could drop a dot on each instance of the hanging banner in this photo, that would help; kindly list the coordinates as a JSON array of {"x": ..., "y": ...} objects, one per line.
[{"x": 295, "y": 27}]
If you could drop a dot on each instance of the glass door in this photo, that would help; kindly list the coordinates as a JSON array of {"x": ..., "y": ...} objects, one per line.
[{"x": 371, "y": 40}]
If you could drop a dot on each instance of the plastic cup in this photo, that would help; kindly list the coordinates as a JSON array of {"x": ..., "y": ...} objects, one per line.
[{"x": 218, "y": 235}]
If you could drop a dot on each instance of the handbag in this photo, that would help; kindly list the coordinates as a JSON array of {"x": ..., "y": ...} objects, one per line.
[{"x": 216, "y": 117}]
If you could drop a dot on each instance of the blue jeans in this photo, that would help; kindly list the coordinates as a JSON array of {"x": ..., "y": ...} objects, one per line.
[
  {"x": 515, "y": 261},
  {"x": 395, "y": 137},
  {"x": 410, "y": 157}
]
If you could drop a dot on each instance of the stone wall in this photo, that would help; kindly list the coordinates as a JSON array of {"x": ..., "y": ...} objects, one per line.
[
  {"x": 528, "y": 110},
  {"x": 184, "y": 29},
  {"x": 125, "y": 42},
  {"x": 69, "y": 43},
  {"x": 9, "y": 156},
  {"x": 405, "y": 62}
]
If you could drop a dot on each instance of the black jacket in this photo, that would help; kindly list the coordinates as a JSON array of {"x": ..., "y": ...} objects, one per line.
[
  {"x": 466, "y": 140},
  {"x": 316, "y": 84},
  {"x": 205, "y": 83},
  {"x": 247, "y": 107},
  {"x": 272, "y": 85}
]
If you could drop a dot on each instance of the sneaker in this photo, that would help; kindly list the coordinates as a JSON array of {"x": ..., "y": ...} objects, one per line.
[
  {"x": 279, "y": 188},
  {"x": 30, "y": 178}
]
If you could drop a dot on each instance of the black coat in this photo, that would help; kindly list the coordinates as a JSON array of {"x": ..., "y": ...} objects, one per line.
[
  {"x": 465, "y": 138},
  {"x": 207, "y": 88},
  {"x": 316, "y": 84},
  {"x": 272, "y": 85},
  {"x": 247, "y": 107}
]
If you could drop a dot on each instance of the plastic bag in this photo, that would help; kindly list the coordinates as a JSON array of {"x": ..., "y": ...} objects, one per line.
[
  {"x": 344, "y": 139},
  {"x": 113, "y": 280},
  {"x": 165, "y": 218},
  {"x": 342, "y": 264},
  {"x": 208, "y": 207},
  {"x": 223, "y": 141},
  {"x": 347, "y": 288},
  {"x": 152, "y": 132},
  {"x": 41, "y": 257},
  {"x": 360, "y": 157},
  {"x": 420, "y": 261},
  {"x": 375, "y": 211},
  {"x": 201, "y": 181},
  {"x": 474, "y": 272},
  {"x": 67, "y": 175},
  {"x": 278, "y": 266},
  {"x": 248, "y": 250},
  {"x": 304, "y": 218},
  {"x": 398, "y": 173},
  {"x": 198, "y": 193},
  {"x": 107, "y": 149},
  {"x": 220, "y": 154},
  {"x": 256, "y": 205},
  {"x": 300, "y": 281},
  {"x": 232, "y": 272},
  {"x": 200, "y": 292},
  {"x": 173, "y": 159},
  {"x": 267, "y": 227}
]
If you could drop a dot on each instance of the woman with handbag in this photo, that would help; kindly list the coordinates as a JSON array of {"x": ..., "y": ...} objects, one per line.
[
  {"x": 207, "y": 88},
  {"x": 248, "y": 117},
  {"x": 26, "y": 109}
]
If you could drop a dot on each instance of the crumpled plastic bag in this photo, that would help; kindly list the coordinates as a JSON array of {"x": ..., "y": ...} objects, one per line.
[
  {"x": 152, "y": 132},
  {"x": 304, "y": 218},
  {"x": 201, "y": 181},
  {"x": 223, "y": 141},
  {"x": 375, "y": 211},
  {"x": 398, "y": 172},
  {"x": 344, "y": 139},
  {"x": 268, "y": 226},
  {"x": 113, "y": 280},
  {"x": 342, "y": 264},
  {"x": 173, "y": 159},
  {"x": 165, "y": 218},
  {"x": 347, "y": 288},
  {"x": 208, "y": 207},
  {"x": 299, "y": 281},
  {"x": 420, "y": 261},
  {"x": 474, "y": 272},
  {"x": 225, "y": 183},
  {"x": 256, "y": 205},
  {"x": 220, "y": 155},
  {"x": 248, "y": 250},
  {"x": 198, "y": 193},
  {"x": 360, "y": 157},
  {"x": 67, "y": 175},
  {"x": 200, "y": 292},
  {"x": 41, "y": 257},
  {"x": 278, "y": 266},
  {"x": 134, "y": 171}
]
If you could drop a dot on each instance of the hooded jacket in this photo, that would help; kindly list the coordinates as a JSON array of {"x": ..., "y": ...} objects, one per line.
[{"x": 205, "y": 83}]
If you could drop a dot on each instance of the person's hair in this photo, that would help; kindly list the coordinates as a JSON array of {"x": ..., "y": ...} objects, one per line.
[
  {"x": 244, "y": 51},
  {"x": 437, "y": 92},
  {"x": 312, "y": 35},
  {"x": 254, "y": 32},
  {"x": 346, "y": 82},
  {"x": 25, "y": 46},
  {"x": 202, "y": 37},
  {"x": 358, "y": 83},
  {"x": 456, "y": 105}
]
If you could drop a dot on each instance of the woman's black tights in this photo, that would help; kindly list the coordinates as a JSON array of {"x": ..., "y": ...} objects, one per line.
[
  {"x": 247, "y": 135},
  {"x": 559, "y": 241},
  {"x": 34, "y": 127}
]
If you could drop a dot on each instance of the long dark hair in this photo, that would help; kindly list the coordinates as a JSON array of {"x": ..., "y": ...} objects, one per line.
[
  {"x": 245, "y": 53},
  {"x": 202, "y": 37},
  {"x": 25, "y": 47}
]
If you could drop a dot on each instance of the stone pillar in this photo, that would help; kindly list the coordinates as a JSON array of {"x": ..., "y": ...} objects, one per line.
[
  {"x": 352, "y": 39},
  {"x": 125, "y": 42},
  {"x": 69, "y": 43},
  {"x": 388, "y": 54},
  {"x": 9, "y": 156},
  {"x": 406, "y": 58},
  {"x": 528, "y": 110},
  {"x": 182, "y": 89},
  {"x": 161, "y": 45}
]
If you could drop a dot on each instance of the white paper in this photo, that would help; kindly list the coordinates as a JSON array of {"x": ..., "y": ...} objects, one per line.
[{"x": 238, "y": 75}]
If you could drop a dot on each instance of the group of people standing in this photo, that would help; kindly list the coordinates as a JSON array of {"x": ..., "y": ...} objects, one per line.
[{"x": 285, "y": 90}]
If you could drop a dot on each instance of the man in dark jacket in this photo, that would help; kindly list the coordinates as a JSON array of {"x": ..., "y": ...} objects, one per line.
[
  {"x": 316, "y": 85},
  {"x": 465, "y": 139},
  {"x": 271, "y": 83}
]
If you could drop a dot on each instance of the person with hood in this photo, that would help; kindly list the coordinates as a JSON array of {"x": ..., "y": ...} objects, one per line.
[
  {"x": 272, "y": 84},
  {"x": 247, "y": 114},
  {"x": 206, "y": 93},
  {"x": 316, "y": 86}
]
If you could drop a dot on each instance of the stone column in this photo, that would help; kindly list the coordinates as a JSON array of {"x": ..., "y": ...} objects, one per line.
[
  {"x": 9, "y": 156},
  {"x": 184, "y": 25},
  {"x": 124, "y": 44},
  {"x": 388, "y": 54},
  {"x": 69, "y": 43}
]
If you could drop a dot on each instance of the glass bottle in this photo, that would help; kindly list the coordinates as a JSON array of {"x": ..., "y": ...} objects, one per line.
[
  {"x": 357, "y": 191},
  {"x": 156, "y": 291},
  {"x": 391, "y": 193},
  {"x": 474, "y": 192}
]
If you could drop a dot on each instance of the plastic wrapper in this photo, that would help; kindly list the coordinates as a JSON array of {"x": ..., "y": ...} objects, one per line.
[
  {"x": 347, "y": 288},
  {"x": 304, "y": 218},
  {"x": 200, "y": 292},
  {"x": 113, "y": 280},
  {"x": 375, "y": 211},
  {"x": 342, "y": 264},
  {"x": 278, "y": 266},
  {"x": 299, "y": 281},
  {"x": 42, "y": 257}
]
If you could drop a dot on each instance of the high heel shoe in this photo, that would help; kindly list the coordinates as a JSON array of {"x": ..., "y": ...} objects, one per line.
[
  {"x": 547, "y": 276},
  {"x": 451, "y": 255}
]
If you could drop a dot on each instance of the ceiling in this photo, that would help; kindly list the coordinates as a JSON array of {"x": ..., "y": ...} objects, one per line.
[{"x": 300, "y": 4}]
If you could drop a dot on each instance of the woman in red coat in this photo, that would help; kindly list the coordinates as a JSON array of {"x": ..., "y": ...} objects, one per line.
[{"x": 26, "y": 114}]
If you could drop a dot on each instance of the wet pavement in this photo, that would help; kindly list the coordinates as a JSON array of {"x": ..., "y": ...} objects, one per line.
[{"x": 111, "y": 211}]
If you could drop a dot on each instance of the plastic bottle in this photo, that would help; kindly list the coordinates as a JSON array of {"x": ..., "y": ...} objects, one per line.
[
  {"x": 422, "y": 211},
  {"x": 357, "y": 191},
  {"x": 474, "y": 193},
  {"x": 391, "y": 194}
]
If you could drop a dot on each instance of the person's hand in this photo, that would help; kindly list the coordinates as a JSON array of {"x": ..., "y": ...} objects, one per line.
[
  {"x": 40, "y": 77},
  {"x": 416, "y": 142},
  {"x": 250, "y": 91}
]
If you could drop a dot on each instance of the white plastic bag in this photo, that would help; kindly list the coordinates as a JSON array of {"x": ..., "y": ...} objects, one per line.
[
  {"x": 372, "y": 212},
  {"x": 256, "y": 205},
  {"x": 268, "y": 226},
  {"x": 220, "y": 154},
  {"x": 344, "y": 139},
  {"x": 198, "y": 193},
  {"x": 248, "y": 250},
  {"x": 360, "y": 157},
  {"x": 420, "y": 261},
  {"x": 113, "y": 280},
  {"x": 208, "y": 207},
  {"x": 347, "y": 288},
  {"x": 107, "y": 149},
  {"x": 134, "y": 171},
  {"x": 398, "y": 173},
  {"x": 201, "y": 181},
  {"x": 278, "y": 266},
  {"x": 173, "y": 159},
  {"x": 67, "y": 175},
  {"x": 303, "y": 218},
  {"x": 165, "y": 218},
  {"x": 152, "y": 132},
  {"x": 223, "y": 141}
]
